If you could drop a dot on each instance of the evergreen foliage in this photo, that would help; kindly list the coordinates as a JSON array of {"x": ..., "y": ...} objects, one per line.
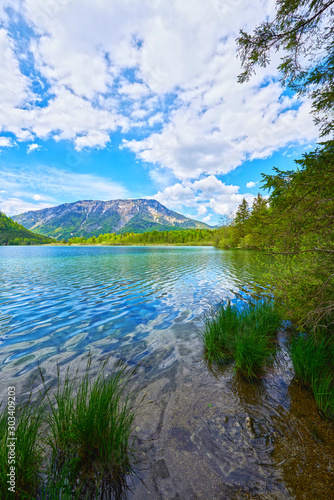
[
  {"x": 303, "y": 30},
  {"x": 296, "y": 225},
  {"x": 241, "y": 217}
]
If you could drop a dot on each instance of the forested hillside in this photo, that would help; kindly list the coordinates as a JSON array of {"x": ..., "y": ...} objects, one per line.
[{"x": 12, "y": 233}]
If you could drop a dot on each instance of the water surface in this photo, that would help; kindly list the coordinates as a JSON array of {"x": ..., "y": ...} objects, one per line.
[
  {"x": 203, "y": 435},
  {"x": 60, "y": 301}
]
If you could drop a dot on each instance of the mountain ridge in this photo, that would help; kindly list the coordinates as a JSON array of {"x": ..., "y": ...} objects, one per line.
[{"x": 94, "y": 217}]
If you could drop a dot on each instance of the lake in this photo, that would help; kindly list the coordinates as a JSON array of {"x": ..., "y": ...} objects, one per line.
[
  {"x": 146, "y": 305},
  {"x": 58, "y": 302}
]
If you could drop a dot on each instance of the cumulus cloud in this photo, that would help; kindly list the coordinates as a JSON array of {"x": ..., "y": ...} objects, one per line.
[
  {"x": 207, "y": 218},
  {"x": 251, "y": 124},
  {"x": 111, "y": 65},
  {"x": 206, "y": 194},
  {"x": 251, "y": 184},
  {"x": 201, "y": 210},
  {"x": 6, "y": 142},
  {"x": 14, "y": 86},
  {"x": 33, "y": 147},
  {"x": 14, "y": 206}
]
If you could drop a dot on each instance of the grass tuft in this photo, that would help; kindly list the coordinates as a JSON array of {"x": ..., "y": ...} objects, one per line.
[
  {"x": 245, "y": 335},
  {"x": 313, "y": 362},
  {"x": 77, "y": 443},
  {"x": 91, "y": 433},
  {"x": 28, "y": 451}
]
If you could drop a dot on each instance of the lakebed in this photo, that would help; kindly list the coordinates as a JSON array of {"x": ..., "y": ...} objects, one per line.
[{"x": 202, "y": 434}]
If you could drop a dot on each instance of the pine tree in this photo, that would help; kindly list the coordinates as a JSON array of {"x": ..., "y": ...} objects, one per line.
[{"x": 241, "y": 217}]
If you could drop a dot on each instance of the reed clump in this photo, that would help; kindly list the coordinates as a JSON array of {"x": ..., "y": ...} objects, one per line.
[
  {"x": 28, "y": 451},
  {"x": 77, "y": 442},
  {"x": 246, "y": 335},
  {"x": 313, "y": 361}
]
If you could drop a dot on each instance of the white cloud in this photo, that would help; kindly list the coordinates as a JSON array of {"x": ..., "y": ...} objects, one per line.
[
  {"x": 55, "y": 182},
  {"x": 251, "y": 184},
  {"x": 14, "y": 206},
  {"x": 86, "y": 125},
  {"x": 201, "y": 210},
  {"x": 211, "y": 185},
  {"x": 33, "y": 147},
  {"x": 220, "y": 208},
  {"x": 206, "y": 194},
  {"x": 221, "y": 138},
  {"x": 6, "y": 142},
  {"x": 207, "y": 218},
  {"x": 133, "y": 90},
  {"x": 111, "y": 65},
  {"x": 157, "y": 118},
  {"x": 13, "y": 84},
  {"x": 65, "y": 65},
  {"x": 92, "y": 139}
]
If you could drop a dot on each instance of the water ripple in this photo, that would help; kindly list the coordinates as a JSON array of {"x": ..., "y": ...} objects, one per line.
[{"x": 55, "y": 300}]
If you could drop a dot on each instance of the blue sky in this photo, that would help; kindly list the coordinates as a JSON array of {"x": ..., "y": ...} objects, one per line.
[{"x": 135, "y": 99}]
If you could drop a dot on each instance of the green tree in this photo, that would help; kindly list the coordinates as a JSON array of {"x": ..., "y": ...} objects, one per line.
[
  {"x": 301, "y": 212},
  {"x": 303, "y": 30},
  {"x": 302, "y": 225},
  {"x": 257, "y": 224},
  {"x": 241, "y": 217}
]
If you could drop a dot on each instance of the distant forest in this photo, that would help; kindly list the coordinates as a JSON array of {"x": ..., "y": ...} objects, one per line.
[{"x": 175, "y": 237}]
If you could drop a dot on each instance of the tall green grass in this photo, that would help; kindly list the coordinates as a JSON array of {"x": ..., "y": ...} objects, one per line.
[
  {"x": 218, "y": 334},
  {"x": 76, "y": 443},
  {"x": 91, "y": 429},
  {"x": 313, "y": 362},
  {"x": 28, "y": 451},
  {"x": 245, "y": 335}
]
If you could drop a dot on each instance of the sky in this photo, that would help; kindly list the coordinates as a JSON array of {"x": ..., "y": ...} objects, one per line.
[{"x": 139, "y": 99}]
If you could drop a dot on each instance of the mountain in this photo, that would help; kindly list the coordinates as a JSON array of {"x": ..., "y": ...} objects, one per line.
[
  {"x": 12, "y": 233},
  {"x": 92, "y": 218}
]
